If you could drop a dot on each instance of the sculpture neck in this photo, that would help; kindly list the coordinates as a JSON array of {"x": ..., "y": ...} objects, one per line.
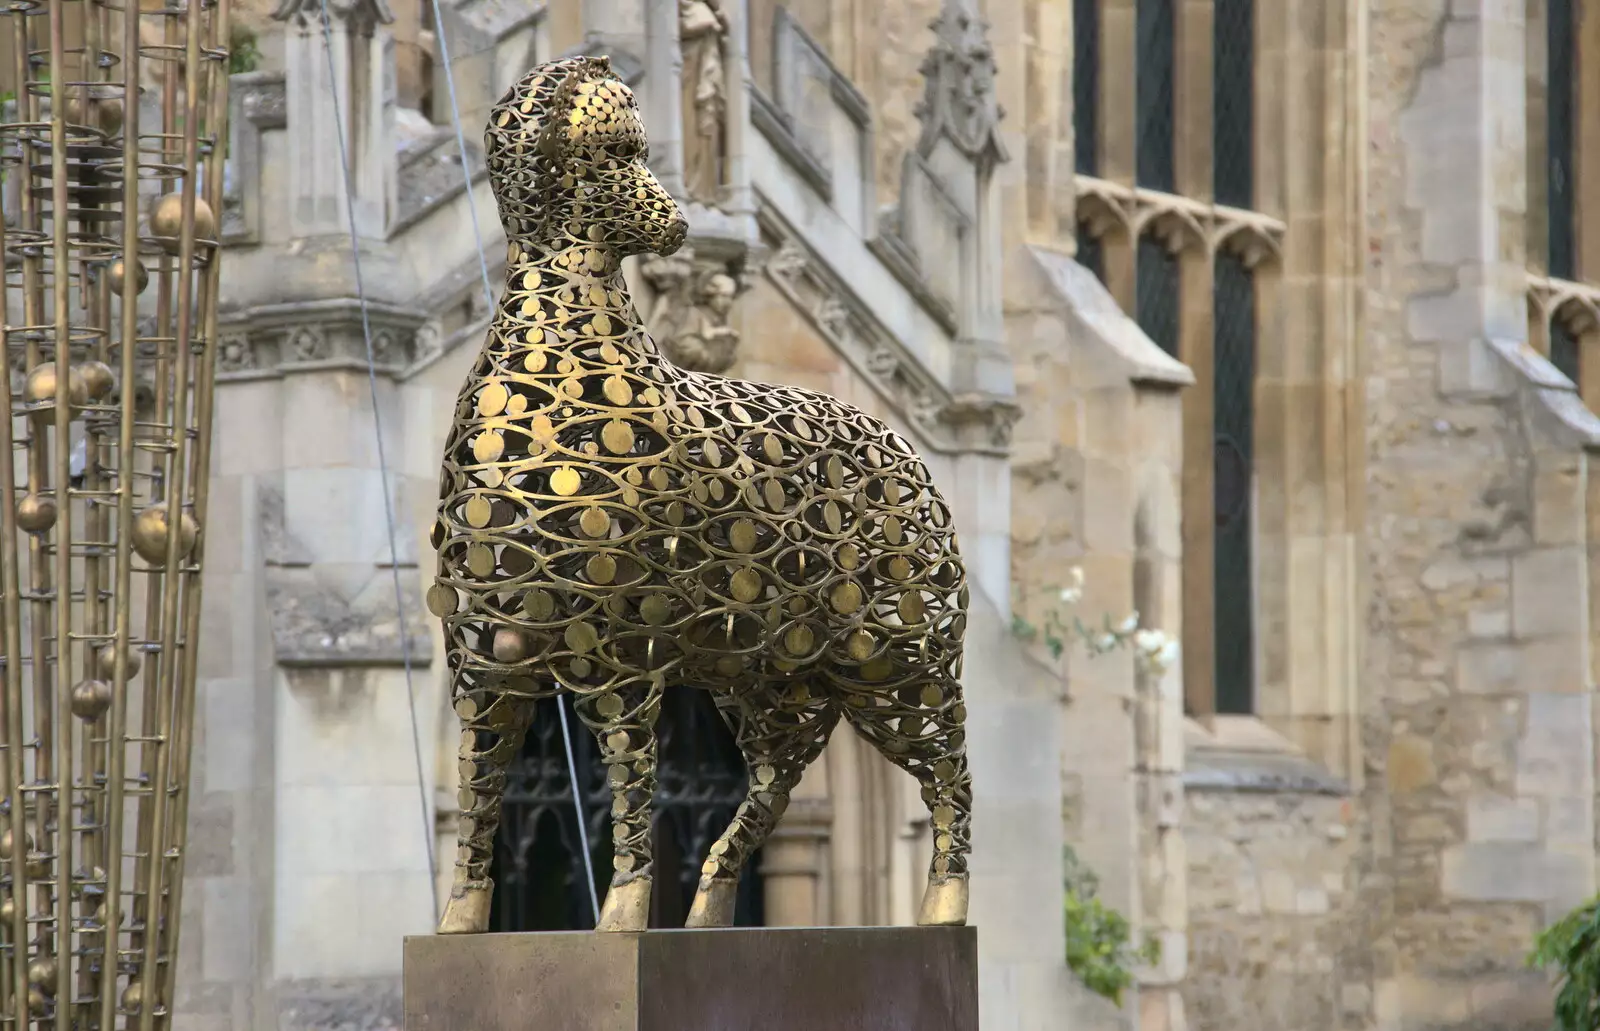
[{"x": 564, "y": 292}]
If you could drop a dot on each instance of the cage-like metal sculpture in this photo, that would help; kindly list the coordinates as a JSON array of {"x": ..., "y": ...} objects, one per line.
[{"x": 111, "y": 148}]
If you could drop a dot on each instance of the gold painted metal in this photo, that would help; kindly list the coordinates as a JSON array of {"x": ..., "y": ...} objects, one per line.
[
  {"x": 108, "y": 431},
  {"x": 613, "y": 526}
]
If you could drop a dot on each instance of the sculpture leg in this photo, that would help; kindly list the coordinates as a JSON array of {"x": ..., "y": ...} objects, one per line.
[
  {"x": 926, "y": 740},
  {"x": 779, "y": 739},
  {"x": 623, "y": 719},
  {"x": 492, "y": 728}
]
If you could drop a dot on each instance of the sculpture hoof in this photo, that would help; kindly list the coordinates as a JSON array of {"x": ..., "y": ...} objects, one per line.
[
  {"x": 627, "y": 906},
  {"x": 944, "y": 904},
  {"x": 467, "y": 910},
  {"x": 713, "y": 904}
]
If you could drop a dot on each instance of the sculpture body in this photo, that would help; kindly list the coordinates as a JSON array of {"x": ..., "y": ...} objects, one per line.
[{"x": 614, "y": 526}]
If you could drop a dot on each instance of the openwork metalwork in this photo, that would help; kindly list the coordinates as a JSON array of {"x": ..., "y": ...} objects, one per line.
[
  {"x": 1560, "y": 105},
  {"x": 110, "y": 312},
  {"x": 1086, "y": 86},
  {"x": 1233, "y": 388},
  {"x": 616, "y": 527},
  {"x": 1157, "y": 293},
  {"x": 1155, "y": 61},
  {"x": 538, "y": 867},
  {"x": 1233, "y": 102}
]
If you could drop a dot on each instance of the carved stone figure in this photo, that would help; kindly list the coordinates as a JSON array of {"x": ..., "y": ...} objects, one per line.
[
  {"x": 702, "y": 32},
  {"x": 614, "y": 526},
  {"x": 690, "y": 317}
]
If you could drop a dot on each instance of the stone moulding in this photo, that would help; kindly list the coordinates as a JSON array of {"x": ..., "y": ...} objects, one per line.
[
  {"x": 1108, "y": 209},
  {"x": 269, "y": 340},
  {"x": 948, "y": 422},
  {"x": 258, "y": 102}
]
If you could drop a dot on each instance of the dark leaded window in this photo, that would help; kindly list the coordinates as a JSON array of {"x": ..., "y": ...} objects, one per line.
[
  {"x": 1156, "y": 294},
  {"x": 1233, "y": 98},
  {"x": 1091, "y": 254},
  {"x": 1564, "y": 353},
  {"x": 538, "y": 864},
  {"x": 1233, "y": 364},
  {"x": 1086, "y": 85},
  {"x": 1562, "y": 78},
  {"x": 1154, "y": 59}
]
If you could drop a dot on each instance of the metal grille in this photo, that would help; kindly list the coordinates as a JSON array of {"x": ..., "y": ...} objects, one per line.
[
  {"x": 1564, "y": 352},
  {"x": 1559, "y": 105},
  {"x": 1156, "y": 294},
  {"x": 1155, "y": 60},
  {"x": 1091, "y": 254},
  {"x": 1086, "y": 85},
  {"x": 538, "y": 865},
  {"x": 1233, "y": 98},
  {"x": 1233, "y": 600}
]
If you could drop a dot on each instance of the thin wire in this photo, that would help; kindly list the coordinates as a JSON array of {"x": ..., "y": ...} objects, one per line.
[
  {"x": 383, "y": 460},
  {"x": 488, "y": 301}
]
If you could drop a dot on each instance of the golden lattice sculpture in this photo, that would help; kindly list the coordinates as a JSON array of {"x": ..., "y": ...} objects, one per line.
[
  {"x": 614, "y": 527},
  {"x": 104, "y": 462}
]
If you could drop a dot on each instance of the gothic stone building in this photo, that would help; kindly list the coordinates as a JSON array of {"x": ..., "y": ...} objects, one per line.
[{"x": 1276, "y": 317}]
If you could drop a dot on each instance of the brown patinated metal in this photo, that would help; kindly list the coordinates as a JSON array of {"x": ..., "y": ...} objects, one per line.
[
  {"x": 614, "y": 526},
  {"x": 771, "y": 979},
  {"x": 109, "y": 308}
]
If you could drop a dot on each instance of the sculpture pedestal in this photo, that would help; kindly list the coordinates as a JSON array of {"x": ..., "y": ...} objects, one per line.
[{"x": 759, "y": 979}]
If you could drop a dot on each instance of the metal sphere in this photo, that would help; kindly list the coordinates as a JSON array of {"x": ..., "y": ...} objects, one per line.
[
  {"x": 8, "y": 913},
  {"x": 133, "y": 997},
  {"x": 106, "y": 113},
  {"x": 150, "y": 534},
  {"x": 118, "y": 269},
  {"x": 41, "y": 385},
  {"x": 98, "y": 379},
  {"x": 37, "y": 865},
  {"x": 42, "y": 973},
  {"x": 6, "y": 841},
  {"x": 106, "y": 662},
  {"x": 510, "y": 646},
  {"x": 36, "y": 513},
  {"x": 90, "y": 699},
  {"x": 166, "y": 221},
  {"x": 38, "y": 1002}
]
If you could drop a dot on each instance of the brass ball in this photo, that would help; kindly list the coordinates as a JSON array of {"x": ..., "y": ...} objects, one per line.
[
  {"x": 42, "y": 973},
  {"x": 510, "y": 646},
  {"x": 37, "y": 866},
  {"x": 8, "y": 913},
  {"x": 106, "y": 112},
  {"x": 36, "y": 513},
  {"x": 150, "y": 534},
  {"x": 118, "y": 268},
  {"x": 38, "y": 1003},
  {"x": 6, "y": 841},
  {"x": 133, "y": 997},
  {"x": 106, "y": 662},
  {"x": 91, "y": 699},
  {"x": 98, "y": 379},
  {"x": 41, "y": 385},
  {"x": 166, "y": 221}
]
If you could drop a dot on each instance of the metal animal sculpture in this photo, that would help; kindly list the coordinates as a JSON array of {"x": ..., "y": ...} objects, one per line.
[{"x": 613, "y": 526}]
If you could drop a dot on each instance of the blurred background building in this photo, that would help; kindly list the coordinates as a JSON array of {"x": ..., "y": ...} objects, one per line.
[{"x": 1276, "y": 317}]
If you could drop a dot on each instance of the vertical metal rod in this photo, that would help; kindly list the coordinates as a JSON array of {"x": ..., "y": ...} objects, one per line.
[
  {"x": 61, "y": 267},
  {"x": 122, "y": 596}
]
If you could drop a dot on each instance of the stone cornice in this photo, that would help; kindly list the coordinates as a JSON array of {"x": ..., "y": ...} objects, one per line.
[
  {"x": 948, "y": 423},
  {"x": 270, "y": 340}
]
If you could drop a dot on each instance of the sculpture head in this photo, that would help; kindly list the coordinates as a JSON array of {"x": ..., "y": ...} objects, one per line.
[
  {"x": 566, "y": 154},
  {"x": 719, "y": 293}
]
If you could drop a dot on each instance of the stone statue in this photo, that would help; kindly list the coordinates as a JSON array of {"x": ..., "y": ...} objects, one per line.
[
  {"x": 613, "y": 526},
  {"x": 689, "y": 320},
  {"x": 702, "y": 31}
]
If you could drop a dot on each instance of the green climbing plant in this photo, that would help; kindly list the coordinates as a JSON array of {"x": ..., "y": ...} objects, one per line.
[
  {"x": 1100, "y": 943},
  {"x": 1571, "y": 946},
  {"x": 1155, "y": 649},
  {"x": 244, "y": 51}
]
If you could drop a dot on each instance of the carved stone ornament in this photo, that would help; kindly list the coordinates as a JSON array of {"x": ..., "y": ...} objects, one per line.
[
  {"x": 689, "y": 320},
  {"x": 958, "y": 99},
  {"x": 361, "y": 15},
  {"x": 702, "y": 33}
]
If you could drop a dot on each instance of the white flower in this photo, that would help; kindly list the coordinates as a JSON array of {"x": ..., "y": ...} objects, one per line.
[
  {"x": 1105, "y": 642},
  {"x": 1075, "y": 574},
  {"x": 1130, "y": 624},
  {"x": 1071, "y": 595},
  {"x": 1167, "y": 656},
  {"x": 1149, "y": 641}
]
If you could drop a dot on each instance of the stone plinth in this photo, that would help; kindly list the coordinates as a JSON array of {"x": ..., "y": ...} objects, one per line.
[{"x": 763, "y": 979}]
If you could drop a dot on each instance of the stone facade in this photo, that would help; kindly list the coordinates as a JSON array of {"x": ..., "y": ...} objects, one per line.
[{"x": 894, "y": 204}]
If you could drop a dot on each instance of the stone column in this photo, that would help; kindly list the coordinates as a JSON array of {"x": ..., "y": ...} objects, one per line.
[
  {"x": 356, "y": 97},
  {"x": 663, "y": 102},
  {"x": 792, "y": 865}
]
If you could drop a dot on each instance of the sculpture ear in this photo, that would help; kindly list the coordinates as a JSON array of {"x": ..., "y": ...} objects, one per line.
[{"x": 554, "y": 139}]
